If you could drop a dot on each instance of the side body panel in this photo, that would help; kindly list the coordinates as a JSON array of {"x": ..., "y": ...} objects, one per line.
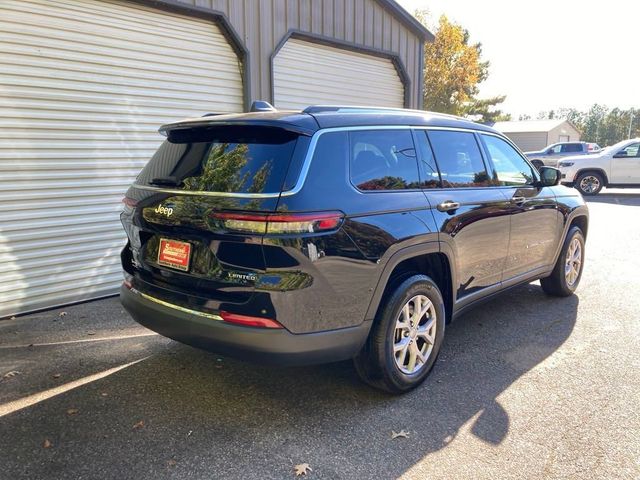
[{"x": 377, "y": 225}]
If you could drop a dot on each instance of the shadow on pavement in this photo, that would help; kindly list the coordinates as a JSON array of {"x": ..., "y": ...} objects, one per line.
[
  {"x": 631, "y": 198},
  {"x": 211, "y": 417}
]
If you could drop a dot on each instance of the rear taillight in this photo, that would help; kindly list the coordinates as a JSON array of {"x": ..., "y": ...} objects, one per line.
[
  {"x": 129, "y": 202},
  {"x": 248, "y": 321},
  {"x": 277, "y": 224}
]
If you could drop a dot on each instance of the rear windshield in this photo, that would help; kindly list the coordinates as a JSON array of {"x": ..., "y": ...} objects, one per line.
[{"x": 222, "y": 159}]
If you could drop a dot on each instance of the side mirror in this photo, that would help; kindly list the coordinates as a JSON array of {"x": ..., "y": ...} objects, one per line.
[{"x": 549, "y": 176}]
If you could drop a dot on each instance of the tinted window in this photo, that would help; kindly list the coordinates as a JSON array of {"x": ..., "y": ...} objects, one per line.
[
  {"x": 227, "y": 159},
  {"x": 383, "y": 160},
  {"x": 571, "y": 147},
  {"x": 429, "y": 175},
  {"x": 510, "y": 167},
  {"x": 459, "y": 159}
]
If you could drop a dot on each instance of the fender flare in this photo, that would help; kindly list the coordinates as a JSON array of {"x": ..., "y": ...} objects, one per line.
[
  {"x": 580, "y": 211},
  {"x": 398, "y": 257}
]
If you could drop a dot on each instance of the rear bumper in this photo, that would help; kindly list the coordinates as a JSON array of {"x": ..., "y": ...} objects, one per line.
[{"x": 272, "y": 346}]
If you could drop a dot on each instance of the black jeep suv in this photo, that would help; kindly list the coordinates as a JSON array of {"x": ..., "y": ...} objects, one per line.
[{"x": 339, "y": 232}]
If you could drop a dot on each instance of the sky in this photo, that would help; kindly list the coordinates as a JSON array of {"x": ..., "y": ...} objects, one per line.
[{"x": 549, "y": 54}]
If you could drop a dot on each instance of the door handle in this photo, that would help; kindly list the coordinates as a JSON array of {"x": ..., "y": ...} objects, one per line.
[
  {"x": 448, "y": 206},
  {"x": 518, "y": 200}
]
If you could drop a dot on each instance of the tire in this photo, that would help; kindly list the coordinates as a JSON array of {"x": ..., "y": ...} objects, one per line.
[
  {"x": 590, "y": 183},
  {"x": 537, "y": 164},
  {"x": 563, "y": 282},
  {"x": 376, "y": 363}
]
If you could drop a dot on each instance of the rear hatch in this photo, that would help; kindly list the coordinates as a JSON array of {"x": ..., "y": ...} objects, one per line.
[{"x": 177, "y": 214}]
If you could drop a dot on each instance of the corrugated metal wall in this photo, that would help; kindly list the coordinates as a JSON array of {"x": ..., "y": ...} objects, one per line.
[
  {"x": 529, "y": 141},
  {"x": 308, "y": 73},
  {"x": 84, "y": 85},
  {"x": 262, "y": 24},
  {"x": 564, "y": 129}
]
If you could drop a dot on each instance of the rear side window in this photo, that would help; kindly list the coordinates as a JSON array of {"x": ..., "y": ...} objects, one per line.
[
  {"x": 383, "y": 160},
  {"x": 222, "y": 159},
  {"x": 459, "y": 159}
]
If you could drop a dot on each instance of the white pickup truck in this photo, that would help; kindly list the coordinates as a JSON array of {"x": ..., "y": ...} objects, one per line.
[{"x": 617, "y": 166}]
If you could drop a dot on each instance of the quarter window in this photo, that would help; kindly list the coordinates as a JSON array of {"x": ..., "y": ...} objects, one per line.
[
  {"x": 383, "y": 160},
  {"x": 459, "y": 159},
  {"x": 511, "y": 168}
]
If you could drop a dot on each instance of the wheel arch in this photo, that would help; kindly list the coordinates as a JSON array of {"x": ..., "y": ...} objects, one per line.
[
  {"x": 582, "y": 222},
  {"x": 426, "y": 259},
  {"x": 597, "y": 170},
  {"x": 579, "y": 217}
]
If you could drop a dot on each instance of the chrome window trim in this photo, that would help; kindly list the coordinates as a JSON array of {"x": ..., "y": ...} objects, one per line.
[
  {"x": 306, "y": 165},
  {"x": 210, "y": 316}
]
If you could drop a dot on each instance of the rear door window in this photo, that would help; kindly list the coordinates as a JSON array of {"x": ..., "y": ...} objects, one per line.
[
  {"x": 459, "y": 159},
  {"x": 383, "y": 160},
  {"x": 222, "y": 159}
]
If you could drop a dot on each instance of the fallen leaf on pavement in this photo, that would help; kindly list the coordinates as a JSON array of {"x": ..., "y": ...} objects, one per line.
[
  {"x": 47, "y": 443},
  {"x": 138, "y": 425},
  {"x": 400, "y": 434},
  {"x": 56, "y": 375},
  {"x": 91, "y": 333},
  {"x": 62, "y": 314},
  {"x": 302, "y": 469},
  {"x": 12, "y": 373},
  {"x": 171, "y": 463},
  {"x": 72, "y": 411},
  {"x": 104, "y": 394}
]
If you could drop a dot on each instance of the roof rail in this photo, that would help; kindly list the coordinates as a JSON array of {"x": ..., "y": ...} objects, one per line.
[
  {"x": 355, "y": 109},
  {"x": 358, "y": 109}
]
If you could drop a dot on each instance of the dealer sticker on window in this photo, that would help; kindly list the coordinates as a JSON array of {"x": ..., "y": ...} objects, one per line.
[{"x": 174, "y": 254}]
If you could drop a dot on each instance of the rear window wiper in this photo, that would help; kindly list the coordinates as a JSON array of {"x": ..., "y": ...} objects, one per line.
[{"x": 166, "y": 182}]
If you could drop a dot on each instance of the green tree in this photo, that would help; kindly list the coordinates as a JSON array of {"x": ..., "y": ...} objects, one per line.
[
  {"x": 453, "y": 69},
  {"x": 600, "y": 124}
]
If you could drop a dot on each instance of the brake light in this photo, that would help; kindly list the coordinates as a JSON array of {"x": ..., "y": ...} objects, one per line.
[
  {"x": 278, "y": 224},
  {"x": 249, "y": 321}
]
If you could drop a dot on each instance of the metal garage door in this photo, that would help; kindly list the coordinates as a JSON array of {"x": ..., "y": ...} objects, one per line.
[
  {"x": 306, "y": 73},
  {"x": 84, "y": 85}
]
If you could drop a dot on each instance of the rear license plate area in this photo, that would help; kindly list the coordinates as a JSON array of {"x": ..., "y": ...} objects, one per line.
[{"x": 174, "y": 254}]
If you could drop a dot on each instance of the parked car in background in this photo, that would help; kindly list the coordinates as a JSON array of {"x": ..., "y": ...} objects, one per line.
[
  {"x": 552, "y": 154},
  {"x": 339, "y": 232},
  {"x": 617, "y": 166}
]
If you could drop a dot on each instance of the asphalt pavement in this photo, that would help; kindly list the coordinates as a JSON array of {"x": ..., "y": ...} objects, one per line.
[{"x": 527, "y": 386}]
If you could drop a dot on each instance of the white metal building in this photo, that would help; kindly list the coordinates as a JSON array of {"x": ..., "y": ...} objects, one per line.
[
  {"x": 530, "y": 135},
  {"x": 85, "y": 84}
]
